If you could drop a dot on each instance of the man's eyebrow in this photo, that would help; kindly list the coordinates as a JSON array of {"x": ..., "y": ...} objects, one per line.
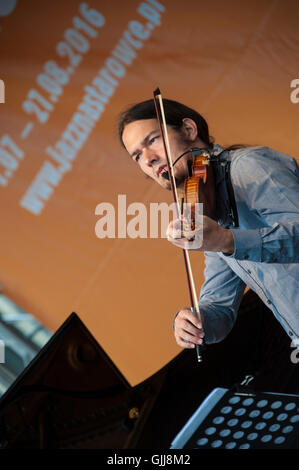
[{"x": 144, "y": 141}]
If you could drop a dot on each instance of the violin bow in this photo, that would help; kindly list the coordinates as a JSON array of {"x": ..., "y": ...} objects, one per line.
[{"x": 190, "y": 279}]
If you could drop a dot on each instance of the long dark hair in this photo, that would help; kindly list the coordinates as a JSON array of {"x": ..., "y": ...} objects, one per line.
[{"x": 175, "y": 112}]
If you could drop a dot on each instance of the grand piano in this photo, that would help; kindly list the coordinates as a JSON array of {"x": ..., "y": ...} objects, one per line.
[{"x": 72, "y": 396}]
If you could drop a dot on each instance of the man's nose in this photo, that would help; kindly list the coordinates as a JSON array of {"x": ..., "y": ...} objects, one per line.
[{"x": 150, "y": 157}]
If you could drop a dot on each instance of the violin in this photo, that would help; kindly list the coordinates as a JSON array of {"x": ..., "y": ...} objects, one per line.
[{"x": 198, "y": 188}]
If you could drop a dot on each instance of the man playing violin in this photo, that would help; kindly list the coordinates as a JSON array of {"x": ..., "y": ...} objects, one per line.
[{"x": 253, "y": 237}]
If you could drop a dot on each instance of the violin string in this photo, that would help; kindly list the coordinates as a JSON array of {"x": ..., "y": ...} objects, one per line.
[{"x": 169, "y": 153}]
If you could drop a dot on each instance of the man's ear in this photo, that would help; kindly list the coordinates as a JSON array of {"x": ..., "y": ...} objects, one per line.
[{"x": 189, "y": 128}]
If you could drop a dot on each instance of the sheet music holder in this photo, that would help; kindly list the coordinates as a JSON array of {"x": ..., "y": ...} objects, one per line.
[{"x": 238, "y": 420}]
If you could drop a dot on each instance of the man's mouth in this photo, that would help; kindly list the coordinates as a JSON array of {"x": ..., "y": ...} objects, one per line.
[{"x": 162, "y": 169}]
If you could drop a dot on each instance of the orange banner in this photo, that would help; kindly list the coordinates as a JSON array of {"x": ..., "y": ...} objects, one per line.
[{"x": 67, "y": 70}]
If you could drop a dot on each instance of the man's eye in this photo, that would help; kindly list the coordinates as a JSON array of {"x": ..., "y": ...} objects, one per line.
[{"x": 152, "y": 140}]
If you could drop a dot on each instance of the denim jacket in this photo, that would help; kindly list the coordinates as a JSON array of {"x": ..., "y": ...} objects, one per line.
[{"x": 266, "y": 257}]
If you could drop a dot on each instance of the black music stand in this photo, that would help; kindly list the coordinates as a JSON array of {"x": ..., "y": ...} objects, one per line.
[{"x": 238, "y": 420}]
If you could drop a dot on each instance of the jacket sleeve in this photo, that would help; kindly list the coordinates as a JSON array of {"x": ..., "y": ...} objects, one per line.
[
  {"x": 220, "y": 298},
  {"x": 267, "y": 182}
]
